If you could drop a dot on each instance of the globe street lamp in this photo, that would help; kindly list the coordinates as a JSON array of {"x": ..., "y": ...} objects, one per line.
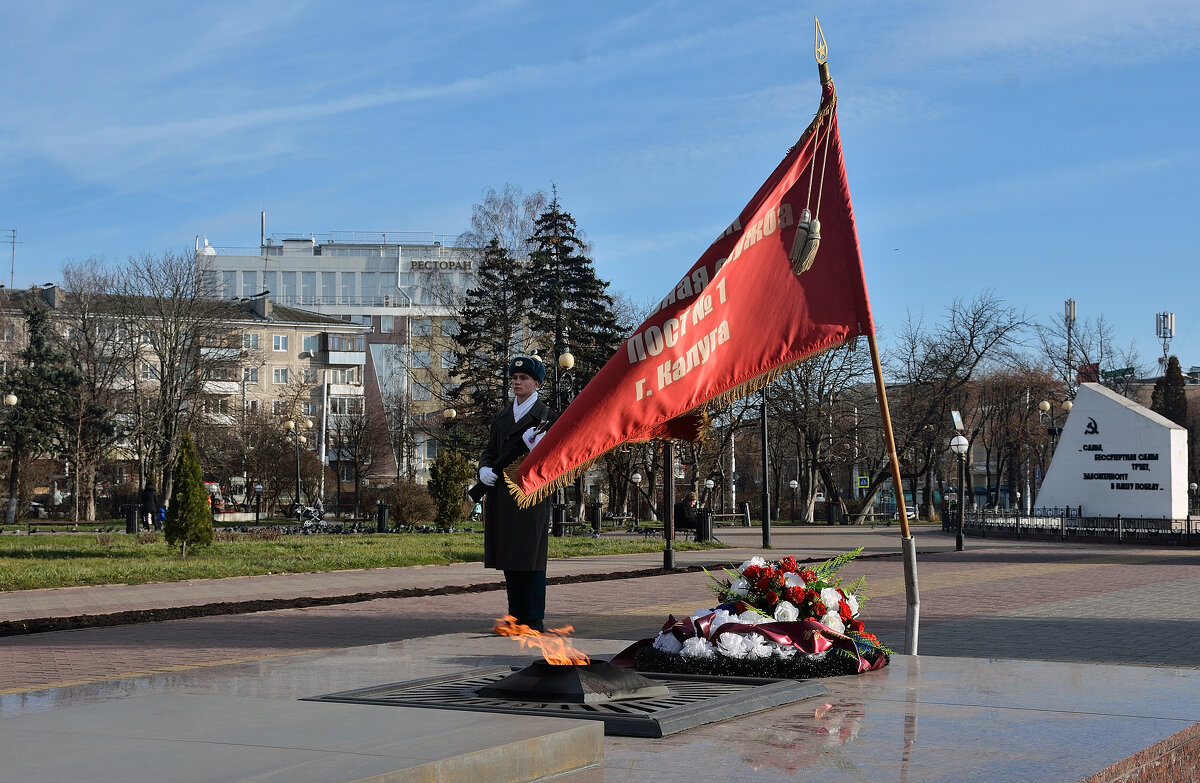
[
  {"x": 636, "y": 478},
  {"x": 793, "y": 484},
  {"x": 959, "y": 445},
  {"x": 1047, "y": 412},
  {"x": 708, "y": 488},
  {"x": 295, "y": 430},
  {"x": 10, "y": 401}
]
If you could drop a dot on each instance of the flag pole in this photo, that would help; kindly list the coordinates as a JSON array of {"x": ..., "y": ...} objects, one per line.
[{"x": 912, "y": 595}]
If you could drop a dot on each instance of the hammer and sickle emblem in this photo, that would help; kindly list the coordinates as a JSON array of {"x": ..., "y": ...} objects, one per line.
[{"x": 1091, "y": 429}]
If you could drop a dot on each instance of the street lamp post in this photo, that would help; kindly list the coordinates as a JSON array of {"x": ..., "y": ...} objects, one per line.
[
  {"x": 295, "y": 429},
  {"x": 10, "y": 401},
  {"x": 793, "y": 484},
  {"x": 257, "y": 501},
  {"x": 1047, "y": 411},
  {"x": 636, "y": 478},
  {"x": 959, "y": 445}
]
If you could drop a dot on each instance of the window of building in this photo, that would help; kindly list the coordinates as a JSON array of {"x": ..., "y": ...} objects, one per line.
[
  {"x": 420, "y": 391},
  {"x": 229, "y": 285},
  {"x": 250, "y": 341},
  {"x": 289, "y": 286},
  {"x": 344, "y": 406},
  {"x": 420, "y": 360},
  {"x": 222, "y": 373},
  {"x": 252, "y": 406},
  {"x": 329, "y": 287},
  {"x": 271, "y": 281},
  {"x": 216, "y": 405},
  {"x": 309, "y": 375},
  {"x": 349, "y": 288},
  {"x": 279, "y": 407},
  {"x": 9, "y": 332},
  {"x": 3, "y": 366},
  {"x": 279, "y": 342},
  {"x": 346, "y": 342},
  {"x": 421, "y": 327},
  {"x": 250, "y": 374},
  {"x": 308, "y": 286},
  {"x": 279, "y": 375},
  {"x": 347, "y": 471},
  {"x": 250, "y": 284},
  {"x": 311, "y": 343},
  {"x": 387, "y": 323},
  {"x": 449, "y": 327},
  {"x": 447, "y": 360},
  {"x": 308, "y": 408},
  {"x": 150, "y": 371},
  {"x": 431, "y": 448},
  {"x": 369, "y": 284}
]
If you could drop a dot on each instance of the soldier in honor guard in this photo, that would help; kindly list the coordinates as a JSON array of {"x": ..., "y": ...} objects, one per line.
[{"x": 514, "y": 538}]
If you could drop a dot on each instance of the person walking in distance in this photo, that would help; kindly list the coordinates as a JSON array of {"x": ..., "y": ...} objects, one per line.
[
  {"x": 149, "y": 501},
  {"x": 514, "y": 538}
]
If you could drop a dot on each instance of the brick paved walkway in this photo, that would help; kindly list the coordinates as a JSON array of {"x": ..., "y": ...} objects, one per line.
[{"x": 998, "y": 599}]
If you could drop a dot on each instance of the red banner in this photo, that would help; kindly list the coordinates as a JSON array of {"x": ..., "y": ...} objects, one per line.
[{"x": 753, "y": 305}]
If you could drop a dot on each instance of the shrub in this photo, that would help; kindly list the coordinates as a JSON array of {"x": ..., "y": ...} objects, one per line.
[
  {"x": 408, "y": 502},
  {"x": 448, "y": 481},
  {"x": 189, "y": 518}
]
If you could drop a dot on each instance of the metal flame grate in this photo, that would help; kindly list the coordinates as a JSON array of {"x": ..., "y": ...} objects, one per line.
[{"x": 692, "y": 700}]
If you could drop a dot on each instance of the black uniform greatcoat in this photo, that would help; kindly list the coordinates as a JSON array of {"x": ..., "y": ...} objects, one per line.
[{"x": 514, "y": 538}]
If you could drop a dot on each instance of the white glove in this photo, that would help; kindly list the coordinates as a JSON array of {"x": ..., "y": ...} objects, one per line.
[
  {"x": 487, "y": 476},
  {"x": 531, "y": 437}
]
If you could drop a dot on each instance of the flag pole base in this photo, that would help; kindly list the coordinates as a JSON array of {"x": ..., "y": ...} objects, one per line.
[
  {"x": 669, "y": 558},
  {"x": 912, "y": 615}
]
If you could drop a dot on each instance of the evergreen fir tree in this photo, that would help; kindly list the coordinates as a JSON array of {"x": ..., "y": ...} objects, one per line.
[
  {"x": 189, "y": 517},
  {"x": 569, "y": 306},
  {"x": 449, "y": 477},
  {"x": 1169, "y": 398},
  {"x": 46, "y": 387},
  {"x": 490, "y": 330}
]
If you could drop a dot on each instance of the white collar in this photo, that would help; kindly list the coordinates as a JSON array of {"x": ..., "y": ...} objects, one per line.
[{"x": 520, "y": 409}]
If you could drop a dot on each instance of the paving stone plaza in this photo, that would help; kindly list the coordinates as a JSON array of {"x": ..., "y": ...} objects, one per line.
[{"x": 1038, "y": 661}]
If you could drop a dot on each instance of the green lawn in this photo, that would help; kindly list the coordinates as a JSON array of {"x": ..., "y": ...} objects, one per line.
[{"x": 72, "y": 559}]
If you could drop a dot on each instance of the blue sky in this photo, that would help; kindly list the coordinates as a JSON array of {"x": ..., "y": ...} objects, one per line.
[{"x": 1042, "y": 150}]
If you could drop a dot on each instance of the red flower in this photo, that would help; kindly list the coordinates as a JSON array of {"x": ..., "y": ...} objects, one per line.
[
  {"x": 844, "y": 610},
  {"x": 855, "y": 625},
  {"x": 819, "y": 608},
  {"x": 808, "y": 575},
  {"x": 810, "y": 595},
  {"x": 771, "y": 597},
  {"x": 763, "y": 584},
  {"x": 788, "y": 565},
  {"x": 751, "y": 573},
  {"x": 795, "y": 594}
]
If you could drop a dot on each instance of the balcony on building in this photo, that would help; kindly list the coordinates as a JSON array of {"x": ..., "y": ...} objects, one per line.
[{"x": 345, "y": 348}]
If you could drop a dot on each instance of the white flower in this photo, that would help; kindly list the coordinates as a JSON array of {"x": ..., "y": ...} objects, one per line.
[
  {"x": 830, "y": 597},
  {"x": 794, "y": 580},
  {"x": 697, "y": 647},
  {"x": 758, "y": 646},
  {"x": 786, "y": 612},
  {"x": 753, "y": 617},
  {"x": 668, "y": 643},
  {"x": 754, "y": 561},
  {"x": 733, "y": 645},
  {"x": 833, "y": 621},
  {"x": 720, "y": 617},
  {"x": 852, "y": 602},
  {"x": 784, "y": 651},
  {"x": 740, "y": 587}
]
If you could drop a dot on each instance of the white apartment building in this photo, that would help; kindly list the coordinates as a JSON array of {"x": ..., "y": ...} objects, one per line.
[{"x": 406, "y": 287}]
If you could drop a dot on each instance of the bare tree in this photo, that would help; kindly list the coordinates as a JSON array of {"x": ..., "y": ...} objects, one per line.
[
  {"x": 181, "y": 336},
  {"x": 104, "y": 360}
]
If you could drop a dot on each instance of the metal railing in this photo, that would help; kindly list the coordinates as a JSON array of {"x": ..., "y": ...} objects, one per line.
[{"x": 1070, "y": 526}]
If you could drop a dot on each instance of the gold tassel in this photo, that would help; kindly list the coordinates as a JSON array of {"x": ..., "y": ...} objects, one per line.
[{"x": 804, "y": 247}]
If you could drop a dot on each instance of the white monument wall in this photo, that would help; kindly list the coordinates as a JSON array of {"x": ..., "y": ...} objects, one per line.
[{"x": 1117, "y": 457}]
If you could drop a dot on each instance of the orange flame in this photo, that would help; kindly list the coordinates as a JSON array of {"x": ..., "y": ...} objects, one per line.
[{"x": 552, "y": 643}]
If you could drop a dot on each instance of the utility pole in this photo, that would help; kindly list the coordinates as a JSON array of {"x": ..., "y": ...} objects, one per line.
[{"x": 12, "y": 263}]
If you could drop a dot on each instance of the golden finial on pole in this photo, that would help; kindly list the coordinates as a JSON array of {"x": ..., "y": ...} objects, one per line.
[{"x": 821, "y": 52}]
